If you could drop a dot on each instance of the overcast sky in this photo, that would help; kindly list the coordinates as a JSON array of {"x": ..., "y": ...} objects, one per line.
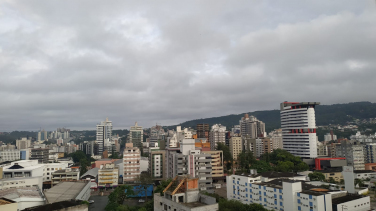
[{"x": 74, "y": 63}]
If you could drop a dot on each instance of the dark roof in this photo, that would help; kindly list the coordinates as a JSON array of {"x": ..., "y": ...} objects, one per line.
[
  {"x": 306, "y": 188},
  {"x": 363, "y": 171},
  {"x": 348, "y": 197},
  {"x": 54, "y": 206},
  {"x": 329, "y": 171},
  {"x": 16, "y": 166},
  {"x": 40, "y": 149},
  {"x": 274, "y": 174}
]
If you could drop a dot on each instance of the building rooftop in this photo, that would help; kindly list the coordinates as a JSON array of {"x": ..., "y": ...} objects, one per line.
[
  {"x": 19, "y": 166},
  {"x": 273, "y": 174},
  {"x": 64, "y": 191},
  {"x": 348, "y": 197},
  {"x": 363, "y": 171},
  {"x": 21, "y": 192},
  {"x": 306, "y": 187},
  {"x": 92, "y": 172},
  {"x": 4, "y": 201},
  {"x": 329, "y": 171},
  {"x": 54, "y": 206}
]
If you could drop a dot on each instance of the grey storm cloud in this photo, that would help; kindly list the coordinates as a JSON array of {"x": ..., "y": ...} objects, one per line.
[{"x": 74, "y": 63}]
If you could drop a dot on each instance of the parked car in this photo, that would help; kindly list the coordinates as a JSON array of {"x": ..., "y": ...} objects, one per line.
[
  {"x": 91, "y": 201},
  {"x": 141, "y": 201}
]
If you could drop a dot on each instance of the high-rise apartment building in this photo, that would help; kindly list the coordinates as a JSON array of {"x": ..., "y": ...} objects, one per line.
[
  {"x": 332, "y": 150},
  {"x": 322, "y": 149},
  {"x": 276, "y": 137},
  {"x": 235, "y": 146},
  {"x": 42, "y": 135},
  {"x": 104, "y": 131},
  {"x": 136, "y": 135},
  {"x": 203, "y": 131},
  {"x": 217, "y": 135},
  {"x": 370, "y": 153},
  {"x": 298, "y": 125},
  {"x": 353, "y": 152},
  {"x": 131, "y": 162},
  {"x": 157, "y": 164},
  {"x": 39, "y": 154},
  {"x": 60, "y": 133},
  {"x": 252, "y": 127},
  {"x": 24, "y": 143}
]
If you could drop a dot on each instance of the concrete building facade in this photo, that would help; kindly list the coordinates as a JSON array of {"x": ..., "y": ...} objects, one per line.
[
  {"x": 217, "y": 135},
  {"x": 298, "y": 123},
  {"x": 9, "y": 155},
  {"x": 23, "y": 143},
  {"x": 131, "y": 162},
  {"x": 104, "y": 131},
  {"x": 136, "y": 135},
  {"x": 235, "y": 145},
  {"x": 354, "y": 154},
  {"x": 108, "y": 175}
]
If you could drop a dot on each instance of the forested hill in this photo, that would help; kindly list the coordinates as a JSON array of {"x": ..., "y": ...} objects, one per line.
[{"x": 325, "y": 115}]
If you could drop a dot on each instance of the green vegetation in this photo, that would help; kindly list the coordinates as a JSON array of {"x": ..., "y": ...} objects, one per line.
[
  {"x": 229, "y": 205},
  {"x": 279, "y": 160},
  {"x": 116, "y": 198},
  {"x": 316, "y": 176},
  {"x": 359, "y": 182},
  {"x": 81, "y": 158},
  {"x": 227, "y": 157},
  {"x": 162, "y": 185},
  {"x": 11, "y": 137},
  {"x": 325, "y": 115}
]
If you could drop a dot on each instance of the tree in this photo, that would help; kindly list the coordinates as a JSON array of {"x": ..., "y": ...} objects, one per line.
[
  {"x": 261, "y": 166},
  {"x": 359, "y": 182},
  {"x": 227, "y": 157},
  {"x": 162, "y": 185},
  {"x": 144, "y": 181},
  {"x": 84, "y": 163},
  {"x": 284, "y": 166},
  {"x": 116, "y": 198},
  {"x": 316, "y": 176},
  {"x": 331, "y": 180}
]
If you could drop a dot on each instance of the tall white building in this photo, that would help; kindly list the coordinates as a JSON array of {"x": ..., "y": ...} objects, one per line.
[
  {"x": 217, "y": 135},
  {"x": 298, "y": 125},
  {"x": 104, "y": 131},
  {"x": 136, "y": 135}
]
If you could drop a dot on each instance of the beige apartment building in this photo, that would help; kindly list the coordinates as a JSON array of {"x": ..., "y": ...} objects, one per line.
[
  {"x": 216, "y": 162},
  {"x": 131, "y": 162},
  {"x": 108, "y": 175},
  {"x": 336, "y": 175},
  {"x": 235, "y": 144}
]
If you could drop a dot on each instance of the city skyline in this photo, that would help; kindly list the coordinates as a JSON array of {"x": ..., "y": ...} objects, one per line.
[{"x": 75, "y": 63}]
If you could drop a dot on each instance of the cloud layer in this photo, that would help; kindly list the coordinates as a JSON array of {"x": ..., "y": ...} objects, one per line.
[{"x": 74, "y": 63}]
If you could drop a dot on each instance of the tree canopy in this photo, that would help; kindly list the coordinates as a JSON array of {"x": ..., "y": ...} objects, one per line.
[
  {"x": 227, "y": 157},
  {"x": 316, "y": 176},
  {"x": 279, "y": 160}
]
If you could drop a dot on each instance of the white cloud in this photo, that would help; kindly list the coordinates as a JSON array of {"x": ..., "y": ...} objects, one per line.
[{"x": 74, "y": 63}]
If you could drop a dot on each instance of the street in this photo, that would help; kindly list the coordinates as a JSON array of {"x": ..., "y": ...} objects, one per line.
[{"x": 99, "y": 204}]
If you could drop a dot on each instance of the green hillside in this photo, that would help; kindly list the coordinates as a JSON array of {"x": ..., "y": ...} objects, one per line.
[{"x": 325, "y": 115}]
